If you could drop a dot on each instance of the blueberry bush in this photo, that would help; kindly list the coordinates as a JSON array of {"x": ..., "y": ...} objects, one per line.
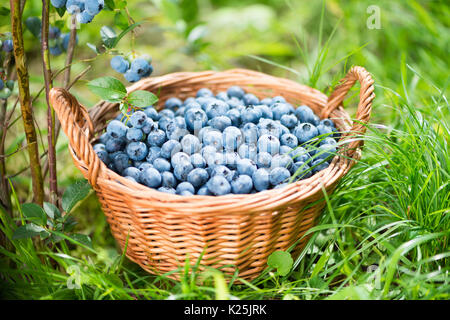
[{"x": 384, "y": 232}]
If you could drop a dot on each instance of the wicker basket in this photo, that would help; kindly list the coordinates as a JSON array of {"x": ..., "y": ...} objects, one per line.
[{"x": 232, "y": 232}]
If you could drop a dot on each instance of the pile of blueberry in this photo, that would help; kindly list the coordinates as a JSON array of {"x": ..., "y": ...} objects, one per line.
[
  {"x": 85, "y": 10},
  {"x": 215, "y": 145},
  {"x": 58, "y": 42},
  {"x": 132, "y": 70}
]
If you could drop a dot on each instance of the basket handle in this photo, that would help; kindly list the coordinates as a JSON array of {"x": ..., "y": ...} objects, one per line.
[
  {"x": 366, "y": 96},
  {"x": 78, "y": 127}
]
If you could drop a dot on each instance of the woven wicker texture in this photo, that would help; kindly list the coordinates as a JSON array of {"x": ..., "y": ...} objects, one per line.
[{"x": 232, "y": 232}]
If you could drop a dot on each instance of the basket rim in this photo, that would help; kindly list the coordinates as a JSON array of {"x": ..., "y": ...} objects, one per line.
[{"x": 138, "y": 189}]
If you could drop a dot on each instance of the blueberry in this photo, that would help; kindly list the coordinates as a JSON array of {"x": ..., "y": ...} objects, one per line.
[
  {"x": 132, "y": 172},
  {"x": 84, "y": 17},
  {"x": 327, "y": 123},
  {"x": 167, "y": 113},
  {"x": 204, "y": 92},
  {"x": 93, "y": 7},
  {"x": 305, "y": 132},
  {"x": 285, "y": 150},
  {"x": 156, "y": 138},
  {"x": 192, "y": 104},
  {"x": 265, "y": 111},
  {"x": 151, "y": 178},
  {"x": 289, "y": 120},
  {"x": 222, "y": 171},
  {"x": 195, "y": 119},
  {"x": 204, "y": 191},
  {"x": 137, "y": 151},
  {"x": 261, "y": 179},
  {"x": 300, "y": 170},
  {"x": 137, "y": 119},
  {"x": 328, "y": 140},
  {"x": 246, "y": 166},
  {"x": 74, "y": 6},
  {"x": 99, "y": 146},
  {"x": 149, "y": 126},
  {"x": 135, "y": 135},
  {"x": 189, "y": 100},
  {"x": 235, "y": 102},
  {"x": 179, "y": 158},
  {"x": 250, "y": 132},
  {"x": 181, "y": 123},
  {"x": 198, "y": 161},
  {"x": 104, "y": 137},
  {"x": 268, "y": 143},
  {"x": 153, "y": 153},
  {"x": 185, "y": 186},
  {"x": 208, "y": 151},
  {"x": 222, "y": 96},
  {"x": 180, "y": 113},
  {"x": 300, "y": 154},
  {"x": 140, "y": 66},
  {"x": 305, "y": 114},
  {"x": 115, "y": 144},
  {"x": 266, "y": 101},
  {"x": 130, "y": 178},
  {"x": 236, "y": 91},
  {"x": 319, "y": 165},
  {"x": 181, "y": 170},
  {"x": 250, "y": 99},
  {"x": 235, "y": 117},
  {"x": 121, "y": 162},
  {"x": 190, "y": 144},
  {"x": 264, "y": 160},
  {"x": 169, "y": 148},
  {"x": 213, "y": 138},
  {"x": 215, "y": 159},
  {"x": 172, "y": 129},
  {"x": 248, "y": 151},
  {"x": 55, "y": 51},
  {"x": 216, "y": 108},
  {"x": 58, "y": 3},
  {"x": 281, "y": 160},
  {"x": 268, "y": 126},
  {"x": 324, "y": 130},
  {"x": 144, "y": 165},
  {"x": 54, "y": 32},
  {"x": 116, "y": 129},
  {"x": 65, "y": 40},
  {"x": 289, "y": 140},
  {"x": 131, "y": 76},
  {"x": 220, "y": 122},
  {"x": 167, "y": 190},
  {"x": 186, "y": 193},
  {"x": 279, "y": 175},
  {"x": 161, "y": 164},
  {"x": 178, "y": 134},
  {"x": 119, "y": 64},
  {"x": 203, "y": 101},
  {"x": 218, "y": 185},
  {"x": 232, "y": 138},
  {"x": 231, "y": 159},
  {"x": 173, "y": 103},
  {"x": 151, "y": 113},
  {"x": 279, "y": 110},
  {"x": 198, "y": 177},
  {"x": 168, "y": 180},
  {"x": 103, "y": 155},
  {"x": 251, "y": 114},
  {"x": 325, "y": 151},
  {"x": 277, "y": 99}
]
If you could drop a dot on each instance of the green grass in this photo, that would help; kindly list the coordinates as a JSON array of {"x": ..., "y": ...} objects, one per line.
[{"x": 385, "y": 231}]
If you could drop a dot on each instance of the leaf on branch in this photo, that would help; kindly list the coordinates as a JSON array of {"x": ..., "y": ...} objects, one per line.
[
  {"x": 141, "y": 98},
  {"x": 51, "y": 210},
  {"x": 34, "y": 213},
  {"x": 28, "y": 231},
  {"x": 108, "y": 36},
  {"x": 108, "y": 88},
  {"x": 75, "y": 193}
]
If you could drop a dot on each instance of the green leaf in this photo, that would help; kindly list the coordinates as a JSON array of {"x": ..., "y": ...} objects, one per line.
[
  {"x": 4, "y": 11},
  {"x": 141, "y": 98},
  {"x": 93, "y": 47},
  {"x": 282, "y": 261},
  {"x": 34, "y": 24},
  {"x": 108, "y": 88},
  {"x": 34, "y": 213},
  {"x": 75, "y": 193},
  {"x": 109, "y": 5},
  {"x": 108, "y": 36},
  {"x": 82, "y": 238},
  {"x": 124, "y": 32},
  {"x": 27, "y": 231},
  {"x": 120, "y": 20},
  {"x": 51, "y": 210}
]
